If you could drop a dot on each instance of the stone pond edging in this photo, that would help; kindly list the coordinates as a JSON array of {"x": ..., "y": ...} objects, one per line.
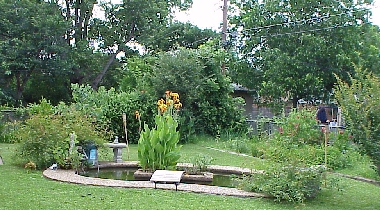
[{"x": 70, "y": 176}]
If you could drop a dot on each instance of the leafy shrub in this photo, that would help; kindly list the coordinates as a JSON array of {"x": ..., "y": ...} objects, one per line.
[
  {"x": 108, "y": 106},
  {"x": 205, "y": 91},
  {"x": 360, "y": 104},
  {"x": 291, "y": 183},
  {"x": 297, "y": 140},
  {"x": 306, "y": 154},
  {"x": 199, "y": 163},
  {"x": 44, "y": 137},
  {"x": 3, "y": 135},
  {"x": 239, "y": 144},
  {"x": 298, "y": 128},
  {"x": 8, "y": 123}
]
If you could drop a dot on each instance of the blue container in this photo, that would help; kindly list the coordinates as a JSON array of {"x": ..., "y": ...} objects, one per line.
[{"x": 91, "y": 151}]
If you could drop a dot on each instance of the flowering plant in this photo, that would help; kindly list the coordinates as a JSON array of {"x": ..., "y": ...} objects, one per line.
[
  {"x": 298, "y": 127},
  {"x": 157, "y": 147}
]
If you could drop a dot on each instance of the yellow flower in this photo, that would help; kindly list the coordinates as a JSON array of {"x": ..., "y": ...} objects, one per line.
[
  {"x": 30, "y": 165},
  {"x": 178, "y": 105},
  {"x": 163, "y": 108},
  {"x": 161, "y": 101},
  {"x": 137, "y": 114},
  {"x": 174, "y": 95},
  {"x": 169, "y": 102}
]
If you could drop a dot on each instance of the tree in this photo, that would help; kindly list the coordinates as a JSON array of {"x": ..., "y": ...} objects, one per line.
[
  {"x": 292, "y": 48},
  {"x": 195, "y": 74},
  {"x": 61, "y": 47},
  {"x": 177, "y": 35},
  {"x": 30, "y": 42},
  {"x": 360, "y": 103},
  {"x": 120, "y": 28},
  {"x": 86, "y": 59}
]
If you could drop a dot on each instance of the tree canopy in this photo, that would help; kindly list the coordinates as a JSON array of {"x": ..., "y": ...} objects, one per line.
[
  {"x": 291, "y": 49},
  {"x": 31, "y": 44},
  {"x": 49, "y": 45}
]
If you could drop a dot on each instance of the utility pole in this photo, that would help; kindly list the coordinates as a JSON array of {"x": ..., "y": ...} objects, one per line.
[{"x": 224, "y": 31}]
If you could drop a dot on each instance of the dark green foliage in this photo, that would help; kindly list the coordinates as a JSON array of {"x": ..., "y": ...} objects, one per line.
[
  {"x": 54, "y": 87},
  {"x": 291, "y": 49},
  {"x": 179, "y": 34},
  {"x": 205, "y": 92},
  {"x": 31, "y": 42}
]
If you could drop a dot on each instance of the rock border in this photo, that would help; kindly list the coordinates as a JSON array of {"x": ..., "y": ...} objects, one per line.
[
  {"x": 70, "y": 176},
  {"x": 358, "y": 178}
]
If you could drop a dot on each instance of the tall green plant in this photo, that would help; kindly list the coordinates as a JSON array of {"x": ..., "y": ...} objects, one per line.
[
  {"x": 360, "y": 104},
  {"x": 157, "y": 147}
]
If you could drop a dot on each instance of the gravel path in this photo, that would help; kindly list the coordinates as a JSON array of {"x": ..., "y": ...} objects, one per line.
[{"x": 70, "y": 177}]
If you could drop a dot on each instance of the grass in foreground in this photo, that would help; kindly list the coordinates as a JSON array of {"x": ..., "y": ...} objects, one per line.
[{"x": 22, "y": 190}]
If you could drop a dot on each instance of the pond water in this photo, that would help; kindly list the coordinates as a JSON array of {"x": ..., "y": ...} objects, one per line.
[{"x": 221, "y": 180}]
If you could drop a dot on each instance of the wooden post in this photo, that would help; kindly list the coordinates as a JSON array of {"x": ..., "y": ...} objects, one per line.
[
  {"x": 126, "y": 132},
  {"x": 326, "y": 140}
]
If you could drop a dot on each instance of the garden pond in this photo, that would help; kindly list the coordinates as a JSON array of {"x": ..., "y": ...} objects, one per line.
[{"x": 221, "y": 180}]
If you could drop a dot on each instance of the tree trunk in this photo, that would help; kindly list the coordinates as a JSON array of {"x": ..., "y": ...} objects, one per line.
[
  {"x": 295, "y": 101},
  {"x": 98, "y": 79},
  {"x": 21, "y": 82},
  {"x": 77, "y": 78}
]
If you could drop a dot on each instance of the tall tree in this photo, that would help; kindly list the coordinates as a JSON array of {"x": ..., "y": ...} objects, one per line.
[
  {"x": 130, "y": 21},
  {"x": 31, "y": 37},
  {"x": 292, "y": 48}
]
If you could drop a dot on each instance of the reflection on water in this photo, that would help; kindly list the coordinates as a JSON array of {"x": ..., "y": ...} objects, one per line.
[{"x": 221, "y": 180}]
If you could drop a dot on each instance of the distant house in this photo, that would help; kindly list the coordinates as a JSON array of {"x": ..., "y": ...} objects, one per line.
[
  {"x": 252, "y": 110},
  {"x": 244, "y": 93}
]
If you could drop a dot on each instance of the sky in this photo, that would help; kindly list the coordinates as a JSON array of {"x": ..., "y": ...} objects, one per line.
[{"x": 208, "y": 14}]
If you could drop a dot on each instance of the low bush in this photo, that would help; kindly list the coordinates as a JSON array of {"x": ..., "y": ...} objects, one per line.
[
  {"x": 239, "y": 143},
  {"x": 291, "y": 183},
  {"x": 45, "y": 137},
  {"x": 200, "y": 163},
  {"x": 298, "y": 140}
]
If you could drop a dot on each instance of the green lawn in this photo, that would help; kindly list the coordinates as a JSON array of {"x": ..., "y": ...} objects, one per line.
[{"x": 22, "y": 190}]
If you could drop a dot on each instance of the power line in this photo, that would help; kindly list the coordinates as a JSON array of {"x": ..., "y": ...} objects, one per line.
[
  {"x": 300, "y": 22},
  {"x": 305, "y": 31}
]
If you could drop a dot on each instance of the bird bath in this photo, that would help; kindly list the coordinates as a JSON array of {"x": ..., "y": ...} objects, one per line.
[{"x": 117, "y": 149}]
